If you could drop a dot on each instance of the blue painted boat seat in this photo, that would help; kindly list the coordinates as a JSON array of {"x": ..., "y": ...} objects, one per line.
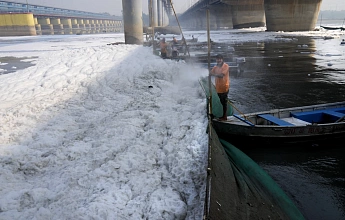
[
  {"x": 335, "y": 114},
  {"x": 275, "y": 120},
  {"x": 318, "y": 116}
]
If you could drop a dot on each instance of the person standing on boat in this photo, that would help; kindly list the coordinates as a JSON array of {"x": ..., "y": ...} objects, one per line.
[
  {"x": 221, "y": 72},
  {"x": 164, "y": 48}
]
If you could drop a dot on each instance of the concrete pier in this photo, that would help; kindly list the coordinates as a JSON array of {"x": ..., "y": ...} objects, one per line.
[
  {"x": 37, "y": 27},
  {"x": 223, "y": 16},
  {"x": 67, "y": 25},
  {"x": 57, "y": 26},
  {"x": 246, "y": 16},
  {"x": 132, "y": 21},
  {"x": 46, "y": 26},
  {"x": 13, "y": 24},
  {"x": 291, "y": 15},
  {"x": 247, "y": 13}
]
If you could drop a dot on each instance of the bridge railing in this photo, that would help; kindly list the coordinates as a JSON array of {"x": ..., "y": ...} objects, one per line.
[{"x": 7, "y": 6}]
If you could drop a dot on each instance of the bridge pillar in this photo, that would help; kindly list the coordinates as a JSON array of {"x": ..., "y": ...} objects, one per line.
[
  {"x": 200, "y": 20},
  {"x": 93, "y": 26},
  {"x": 213, "y": 20},
  {"x": 292, "y": 15},
  {"x": 112, "y": 26},
  {"x": 87, "y": 26},
  {"x": 67, "y": 25},
  {"x": 248, "y": 14},
  {"x": 159, "y": 13},
  {"x": 75, "y": 26},
  {"x": 190, "y": 23},
  {"x": 37, "y": 27},
  {"x": 108, "y": 26},
  {"x": 46, "y": 26},
  {"x": 101, "y": 26},
  {"x": 17, "y": 24},
  {"x": 153, "y": 12},
  {"x": 81, "y": 25},
  {"x": 57, "y": 26},
  {"x": 98, "y": 26},
  {"x": 222, "y": 14},
  {"x": 119, "y": 26},
  {"x": 133, "y": 24}
]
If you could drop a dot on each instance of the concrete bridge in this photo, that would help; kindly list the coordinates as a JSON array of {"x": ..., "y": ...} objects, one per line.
[
  {"x": 18, "y": 19},
  {"x": 276, "y": 15}
]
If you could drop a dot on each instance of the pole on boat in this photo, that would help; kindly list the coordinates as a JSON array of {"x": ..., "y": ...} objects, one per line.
[
  {"x": 132, "y": 21},
  {"x": 209, "y": 158},
  {"x": 209, "y": 59}
]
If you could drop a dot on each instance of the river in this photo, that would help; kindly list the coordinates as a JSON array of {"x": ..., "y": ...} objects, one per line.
[{"x": 299, "y": 71}]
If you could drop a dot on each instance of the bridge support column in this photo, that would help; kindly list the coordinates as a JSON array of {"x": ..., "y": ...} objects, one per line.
[
  {"x": 57, "y": 26},
  {"x": 107, "y": 26},
  {"x": 133, "y": 24},
  {"x": 112, "y": 26},
  {"x": 190, "y": 23},
  {"x": 119, "y": 26},
  {"x": 97, "y": 26},
  {"x": 67, "y": 25},
  {"x": 102, "y": 26},
  {"x": 81, "y": 26},
  {"x": 200, "y": 20},
  {"x": 17, "y": 24},
  {"x": 37, "y": 27},
  {"x": 153, "y": 12},
  {"x": 292, "y": 15},
  {"x": 213, "y": 20},
  {"x": 87, "y": 26},
  {"x": 75, "y": 26},
  {"x": 222, "y": 14},
  {"x": 251, "y": 14},
  {"x": 160, "y": 13},
  {"x": 46, "y": 26},
  {"x": 93, "y": 26}
]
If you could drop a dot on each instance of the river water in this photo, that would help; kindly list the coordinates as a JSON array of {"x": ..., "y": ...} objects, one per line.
[{"x": 297, "y": 72}]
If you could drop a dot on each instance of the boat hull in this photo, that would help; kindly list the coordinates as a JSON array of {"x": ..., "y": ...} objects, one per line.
[
  {"x": 281, "y": 136},
  {"x": 258, "y": 131}
]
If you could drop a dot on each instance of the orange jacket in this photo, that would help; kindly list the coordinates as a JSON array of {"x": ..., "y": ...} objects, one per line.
[{"x": 222, "y": 84}]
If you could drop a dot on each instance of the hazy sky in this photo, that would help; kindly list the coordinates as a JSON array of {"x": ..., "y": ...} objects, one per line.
[{"x": 114, "y": 7}]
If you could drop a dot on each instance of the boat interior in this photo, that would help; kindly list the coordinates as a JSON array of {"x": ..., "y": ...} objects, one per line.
[{"x": 294, "y": 118}]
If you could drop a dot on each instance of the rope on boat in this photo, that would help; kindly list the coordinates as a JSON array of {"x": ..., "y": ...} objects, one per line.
[{"x": 243, "y": 115}]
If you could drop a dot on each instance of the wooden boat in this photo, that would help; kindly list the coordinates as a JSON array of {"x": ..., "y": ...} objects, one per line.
[
  {"x": 333, "y": 28},
  {"x": 307, "y": 124}
]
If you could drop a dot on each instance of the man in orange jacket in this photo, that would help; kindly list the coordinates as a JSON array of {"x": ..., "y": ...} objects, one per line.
[{"x": 222, "y": 74}]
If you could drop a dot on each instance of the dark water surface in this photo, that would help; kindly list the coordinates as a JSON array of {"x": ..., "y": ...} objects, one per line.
[
  {"x": 293, "y": 72},
  {"x": 12, "y": 64}
]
